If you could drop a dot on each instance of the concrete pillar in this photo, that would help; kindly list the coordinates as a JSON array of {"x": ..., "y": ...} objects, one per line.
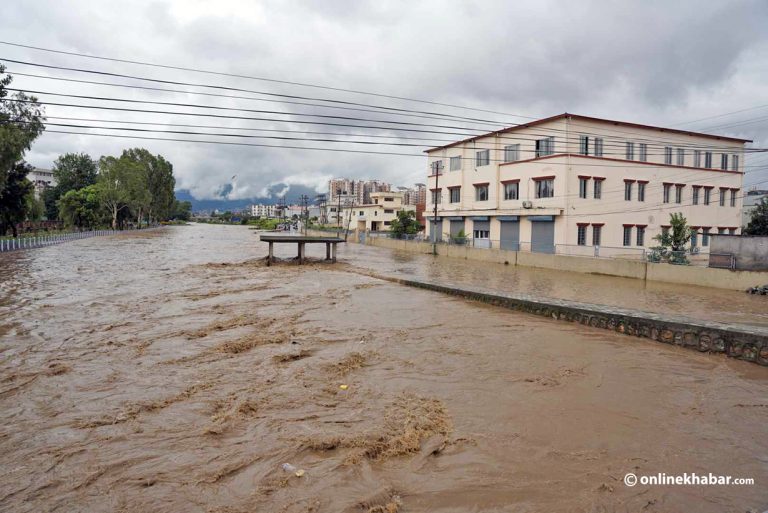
[
  {"x": 301, "y": 253},
  {"x": 327, "y": 250},
  {"x": 333, "y": 252},
  {"x": 269, "y": 258}
]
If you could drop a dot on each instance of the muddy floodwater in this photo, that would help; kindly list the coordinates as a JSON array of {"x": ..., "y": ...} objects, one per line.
[{"x": 171, "y": 371}]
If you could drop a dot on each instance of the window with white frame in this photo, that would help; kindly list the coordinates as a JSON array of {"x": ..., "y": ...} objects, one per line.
[
  {"x": 640, "y": 236},
  {"x": 598, "y": 146},
  {"x": 481, "y": 192},
  {"x": 733, "y": 197},
  {"x": 437, "y": 167},
  {"x": 680, "y": 157},
  {"x": 708, "y": 159},
  {"x": 667, "y": 187},
  {"x": 640, "y": 191},
  {"x": 679, "y": 193},
  {"x": 581, "y": 235},
  {"x": 482, "y": 234},
  {"x": 584, "y": 145},
  {"x": 707, "y": 194},
  {"x": 436, "y": 196},
  {"x": 723, "y": 192},
  {"x": 583, "y": 182},
  {"x": 724, "y": 161},
  {"x": 455, "y": 194},
  {"x": 545, "y": 146},
  {"x": 545, "y": 187},
  {"x": 696, "y": 158},
  {"x": 596, "y": 234},
  {"x": 694, "y": 237},
  {"x": 628, "y": 190},
  {"x": 695, "y": 198},
  {"x": 627, "y": 236},
  {"x": 482, "y": 158},
  {"x": 455, "y": 164},
  {"x": 731, "y": 231},
  {"x": 630, "y": 153},
  {"x": 643, "y": 152},
  {"x": 705, "y": 237},
  {"x": 597, "y": 192},
  {"x": 668, "y": 154},
  {"x": 511, "y": 190},
  {"x": 511, "y": 153},
  {"x": 734, "y": 162}
]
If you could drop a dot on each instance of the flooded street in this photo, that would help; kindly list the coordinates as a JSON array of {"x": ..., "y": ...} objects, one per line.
[{"x": 171, "y": 371}]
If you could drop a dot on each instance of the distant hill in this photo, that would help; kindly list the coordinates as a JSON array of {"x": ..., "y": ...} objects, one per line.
[{"x": 223, "y": 204}]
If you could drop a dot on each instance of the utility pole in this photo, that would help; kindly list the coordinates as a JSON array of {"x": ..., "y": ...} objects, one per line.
[
  {"x": 305, "y": 210},
  {"x": 437, "y": 196}
]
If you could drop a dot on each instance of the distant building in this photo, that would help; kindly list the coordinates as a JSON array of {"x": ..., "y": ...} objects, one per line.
[
  {"x": 375, "y": 216},
  {"x": 354, "y": 192},
  {"x": 264, "y": 211},
  {"x": 751, "y": 200},
  {"x": 41, "y": 179}
]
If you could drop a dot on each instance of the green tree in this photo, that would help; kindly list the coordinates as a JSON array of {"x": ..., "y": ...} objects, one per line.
[
  {"x": 72, "y": 171},
  {"x": 182, "y": 210},
  {"x": 14, "y": 197},
  {"x": 152, "y": 194},
  {"x": 81, "y": 208},
  {"x": 21, "y": 122},
  {"x": 405, "y": 223},
  {"x": 35, "y": 207},
  {"x": 758, "y": 224},
  {"x": 674, "y": 239},
  {"x": 114, "y": 185}
]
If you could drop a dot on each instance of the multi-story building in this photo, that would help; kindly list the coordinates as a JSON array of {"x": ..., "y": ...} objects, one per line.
[
  {"x": 751, "y": 200},
  {"x": 347, "y": 192},
  {"x": 576, "y": 182},
  {"x": 415, "y": 195},
  {"x": 377, "y": 215},
  {"x": 41, "y": 179},
  {"x": 264, "y": 211}
]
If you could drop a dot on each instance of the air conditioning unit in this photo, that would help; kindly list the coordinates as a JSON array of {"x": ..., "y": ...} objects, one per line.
[
  {"x": 527, "y": 204},
  {"x": 695, "y": 250}
]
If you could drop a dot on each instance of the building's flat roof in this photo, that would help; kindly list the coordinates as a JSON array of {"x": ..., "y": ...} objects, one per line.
[{"x": 588, "y": 118}]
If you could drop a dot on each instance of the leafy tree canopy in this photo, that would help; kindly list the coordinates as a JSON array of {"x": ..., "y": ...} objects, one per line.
[
  {"x": 14, "y": 197},
  {"x": 758, "y": 224},
  {"x": 405, "y": 223}
]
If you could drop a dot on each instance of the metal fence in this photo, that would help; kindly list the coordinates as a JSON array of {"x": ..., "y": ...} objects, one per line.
[{"x": 35, "y": 241}]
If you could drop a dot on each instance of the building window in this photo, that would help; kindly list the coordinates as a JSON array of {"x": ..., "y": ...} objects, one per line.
[
  {"x": 733, "y": 197},
  {"x": 598, "y": 189},
  {"x": 696, "y": 158},
  {"x": 583, "y": 187},
  {"x": 731, "y": 231},
  {"x": 630, "y": 151},
  {"x": 584, "y": 145},
  {"x": 387, "y": 223},
  {"x": 598, "y": 146},
  {"x": 436, "y": 197},
  {"x": 641, "y": 235},
  {"x": 481, "y": 192},
  {"x": 627, "y": 191},
  {"x": 723, "y": 192},
  {"x": 437, "y": 167},
  {"x": 667, "y": 187},
  {"x": 389, "y": 198},
  {"x": 705, "y": 237},
  {"x": 734, "y": 162},
  {"x": 389, "y": 211},
  {"x": 596, "y": 232},
  {"x": 721, "y": 231},
  {"x": 455, "y": 163},
  {"x": 665, "y": 231},
  {"x": 581, "y": 235},
  {"x": 678, "y": 193},
  {"x": 668, "y": 154},
  {"x": 482, "y": 158},
  {"x": 643, "y": 152},
  {"x": 694, "y": 237},
  {"x": 482, "y": 234},
  {"x": 455, "y": 194},
  {"x": 680, "y": 157},
  {"x": 627, "y": 235},
  {"x": 511, "y": 191},
  {"x": 511, "y": 153},
  {"x": 545, "y": 146},
  {"x": 696, "y": 195},
  {"x": 640, "y": 191},
  {"x": 706, "y": 196},
  {"x": 545, "y": 188},
  {"x": 708, "y": 159},
  {"x": 724, "y": 161},
  {"x": 362, "y": 213}
]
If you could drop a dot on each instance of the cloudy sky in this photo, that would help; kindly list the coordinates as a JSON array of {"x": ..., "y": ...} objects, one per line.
[{"x": 655, "y": 62}]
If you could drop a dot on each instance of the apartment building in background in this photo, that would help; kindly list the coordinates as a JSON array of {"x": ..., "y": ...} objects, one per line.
[
  {"x": 264, "y": 211},
  {"x": 570, "y": 183},
  {"x": 347, "y": 192},
  {"x": 41, "y": 179},
  {"x": 377, "y": 215}
]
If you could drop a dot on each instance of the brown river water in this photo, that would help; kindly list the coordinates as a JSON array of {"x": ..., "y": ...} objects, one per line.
[{"x": 171, "y": 371}]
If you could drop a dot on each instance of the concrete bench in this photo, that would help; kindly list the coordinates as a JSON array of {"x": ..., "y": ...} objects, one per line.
[{"x": 301, "y": 241}]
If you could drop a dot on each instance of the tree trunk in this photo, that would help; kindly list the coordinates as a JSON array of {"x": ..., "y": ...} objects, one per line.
[{"x": 114, "y": 218}]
